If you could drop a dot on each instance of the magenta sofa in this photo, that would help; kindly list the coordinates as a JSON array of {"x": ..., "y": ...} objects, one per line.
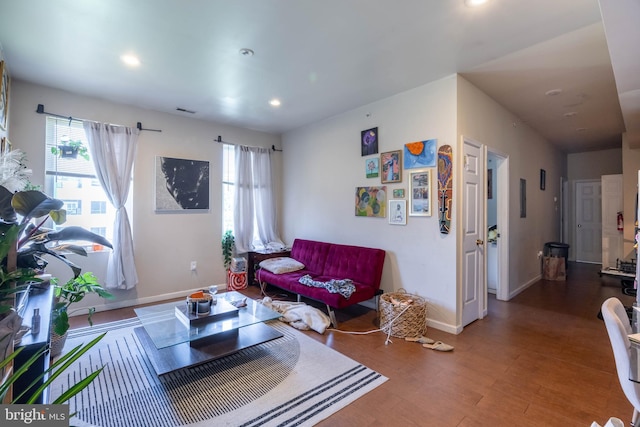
[{"x": 325, "y": 261}]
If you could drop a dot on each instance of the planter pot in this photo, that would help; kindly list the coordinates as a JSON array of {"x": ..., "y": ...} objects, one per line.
[
  {"x": 57, "y": 343},
  {"x": 68, "y": 152}
]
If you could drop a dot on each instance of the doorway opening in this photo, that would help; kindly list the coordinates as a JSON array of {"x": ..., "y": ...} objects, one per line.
[{"x": 497, "y": 224}]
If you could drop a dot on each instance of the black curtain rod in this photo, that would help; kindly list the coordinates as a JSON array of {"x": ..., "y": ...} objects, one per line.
[
  {"x": 40, "y": 110},
  {"x": 219, "y": 140}
]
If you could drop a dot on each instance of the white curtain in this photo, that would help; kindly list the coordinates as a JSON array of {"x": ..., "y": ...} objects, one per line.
[
  {"x": 113, "y": 149},
  {"x": 254, "y": 199}
]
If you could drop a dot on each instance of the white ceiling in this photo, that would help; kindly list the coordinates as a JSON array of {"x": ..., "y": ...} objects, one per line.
[{"x": 322, "y": 58}]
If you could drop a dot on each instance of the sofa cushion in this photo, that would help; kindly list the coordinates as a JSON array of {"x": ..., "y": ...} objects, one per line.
[
  {"x": 363, "y": 265},
  {"x": 311, "y": 253},
  {"x": 280, "y": 265}
]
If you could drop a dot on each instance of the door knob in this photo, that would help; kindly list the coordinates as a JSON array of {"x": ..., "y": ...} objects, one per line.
[
  {"x": 579, "y": 225},
  {"x": 479, "y": 242}
]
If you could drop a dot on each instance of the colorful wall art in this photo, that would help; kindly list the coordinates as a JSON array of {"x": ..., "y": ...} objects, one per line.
[
  {"x": 369, "y": 141},
  {"x": 391, "y": 166},
  {"x": 421, "y": 154},
  {"x": 372, "y": 167},
  {"x": 371, "y": 201}
]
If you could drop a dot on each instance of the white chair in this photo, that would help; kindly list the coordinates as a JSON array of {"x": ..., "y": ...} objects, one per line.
[{"x": 617, "y": 322}]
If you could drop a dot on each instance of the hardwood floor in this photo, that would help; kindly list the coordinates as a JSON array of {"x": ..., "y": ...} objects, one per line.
[{"x": 541, "y": 359}]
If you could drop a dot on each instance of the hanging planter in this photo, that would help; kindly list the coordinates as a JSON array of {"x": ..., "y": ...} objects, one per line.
[{"x": 71, "y": 150}]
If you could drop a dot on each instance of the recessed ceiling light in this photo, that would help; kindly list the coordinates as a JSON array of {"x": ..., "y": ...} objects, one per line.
[
  {"x": 275, "y": 102},
  {"x": 246, "y": 52},
  {"x": 130, "y": 60},
  {"x": 553, "y": 92},
  {"x": 474, "y": 3},
  {"x": 570, "y": 114}
]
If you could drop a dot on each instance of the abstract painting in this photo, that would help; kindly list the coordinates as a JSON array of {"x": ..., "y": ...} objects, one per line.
[
  {"x": 181, "y": 185},
  {"x": 371, "y": 201},
  {"x": 420, "y": 154}
]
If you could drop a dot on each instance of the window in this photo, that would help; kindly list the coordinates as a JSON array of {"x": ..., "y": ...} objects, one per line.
[
  {"x": 73, "y": 207},
  {"x": 73, "y": 180},
  {"x": 228, "y": 186},
  {"x": 98, "y": 207}
]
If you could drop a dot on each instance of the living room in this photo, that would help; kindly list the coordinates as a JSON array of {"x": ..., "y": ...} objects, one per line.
[{"x": 315, "y": 175}]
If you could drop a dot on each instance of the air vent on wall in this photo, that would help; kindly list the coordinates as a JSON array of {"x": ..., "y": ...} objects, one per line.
[{"x": 184, "y": 110}]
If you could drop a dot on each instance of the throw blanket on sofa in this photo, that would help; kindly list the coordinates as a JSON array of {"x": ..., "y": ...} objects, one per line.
[{"x": 344, "y": 287}]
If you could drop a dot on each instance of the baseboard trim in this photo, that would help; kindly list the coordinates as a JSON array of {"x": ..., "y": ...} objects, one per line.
[
  {"x": 148, "y": 300},
  {"x": 445, "y": 327},
  {"x": 524, "y": 286}
]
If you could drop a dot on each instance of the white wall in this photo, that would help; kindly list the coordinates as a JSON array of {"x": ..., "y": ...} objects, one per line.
[
  {"x": 165, "y": 244},
  {"x": 482, "y": 119},
  {"x": 323, "y": 166}
]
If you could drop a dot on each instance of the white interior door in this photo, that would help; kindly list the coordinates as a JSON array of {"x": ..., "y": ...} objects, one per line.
[
  {"x": 473, "y": 275},
  {"x": 588, "y": 222},
  {"x": 612, "y": 203}
]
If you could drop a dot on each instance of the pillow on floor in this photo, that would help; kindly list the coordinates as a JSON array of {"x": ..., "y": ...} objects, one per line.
[{"x": 281, "y": 265}]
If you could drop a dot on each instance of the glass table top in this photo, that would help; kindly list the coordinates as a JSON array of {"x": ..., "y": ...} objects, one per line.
[{"x": 165, "y": 330}]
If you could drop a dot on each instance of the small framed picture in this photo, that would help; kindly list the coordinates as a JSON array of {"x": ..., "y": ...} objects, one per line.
[
  {"x": 398, "y": 193},
  {"x": 372, "y": 167},
  {"x": 420, "y": 192},
  {"x": 391, "y": 166},
  {"x": 398, "y": 212},
  {"x": 369, "y": 141}
]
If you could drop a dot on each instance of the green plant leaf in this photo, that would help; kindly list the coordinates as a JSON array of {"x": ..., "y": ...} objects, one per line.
[
  {"x": 7, "y": 212},
  {"x": 34, "y": 204}
]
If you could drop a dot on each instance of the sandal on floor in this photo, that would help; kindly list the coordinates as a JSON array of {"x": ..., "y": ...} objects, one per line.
[
  {"x": 420, "y": 339},
  {"x": 438, "y": 346}
]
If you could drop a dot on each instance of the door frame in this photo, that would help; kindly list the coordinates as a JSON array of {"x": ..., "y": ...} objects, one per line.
[{"x": 502, "y": 215}]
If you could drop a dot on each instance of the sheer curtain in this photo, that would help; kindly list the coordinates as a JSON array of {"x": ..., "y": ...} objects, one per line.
[
  {"x": 254, "y": 198},
  {"x": 113, "y": 149}
]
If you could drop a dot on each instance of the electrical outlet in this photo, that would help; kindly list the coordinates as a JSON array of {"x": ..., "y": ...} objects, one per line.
[
  {"x": 193, "y": 265},
  {"x": 539, "y": 254}
]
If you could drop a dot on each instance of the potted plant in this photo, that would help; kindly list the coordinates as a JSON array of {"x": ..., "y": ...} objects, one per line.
[
  {"x": 228, "y": 248},
  {"x": 71, "y": 149},
  {"x": 65, "y": 295}
]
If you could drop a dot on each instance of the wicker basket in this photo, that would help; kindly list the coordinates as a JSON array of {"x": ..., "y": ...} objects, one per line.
[{"x": 412, "y": 322}]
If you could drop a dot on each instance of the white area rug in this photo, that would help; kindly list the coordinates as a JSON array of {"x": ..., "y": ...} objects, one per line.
[{"x": 291, "y": 381}]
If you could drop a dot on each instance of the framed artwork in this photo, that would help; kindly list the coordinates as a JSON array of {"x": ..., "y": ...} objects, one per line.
[
  {"x": 391, "y": 166},
  {"x": 372, "y": 167},
  {"x": 543, "y": 179},
  {"x": 371, "y": 201},
  {"x": 4, "y": 95},
  {"x": 398, "y": 212},
  {"x": 398, "y": 193},
  {"x": 5, "y": 146},
  {"x": 523, "y": 198},
  {"x": 369, "y": 141},
  {"x": 420, "y": 154},
  {"x": 181, "y": 185},
  {"x": 420, "y": 192}
]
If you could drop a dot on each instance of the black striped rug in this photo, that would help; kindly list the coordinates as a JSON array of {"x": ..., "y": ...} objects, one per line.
[{"x": 291, "y": 381}]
